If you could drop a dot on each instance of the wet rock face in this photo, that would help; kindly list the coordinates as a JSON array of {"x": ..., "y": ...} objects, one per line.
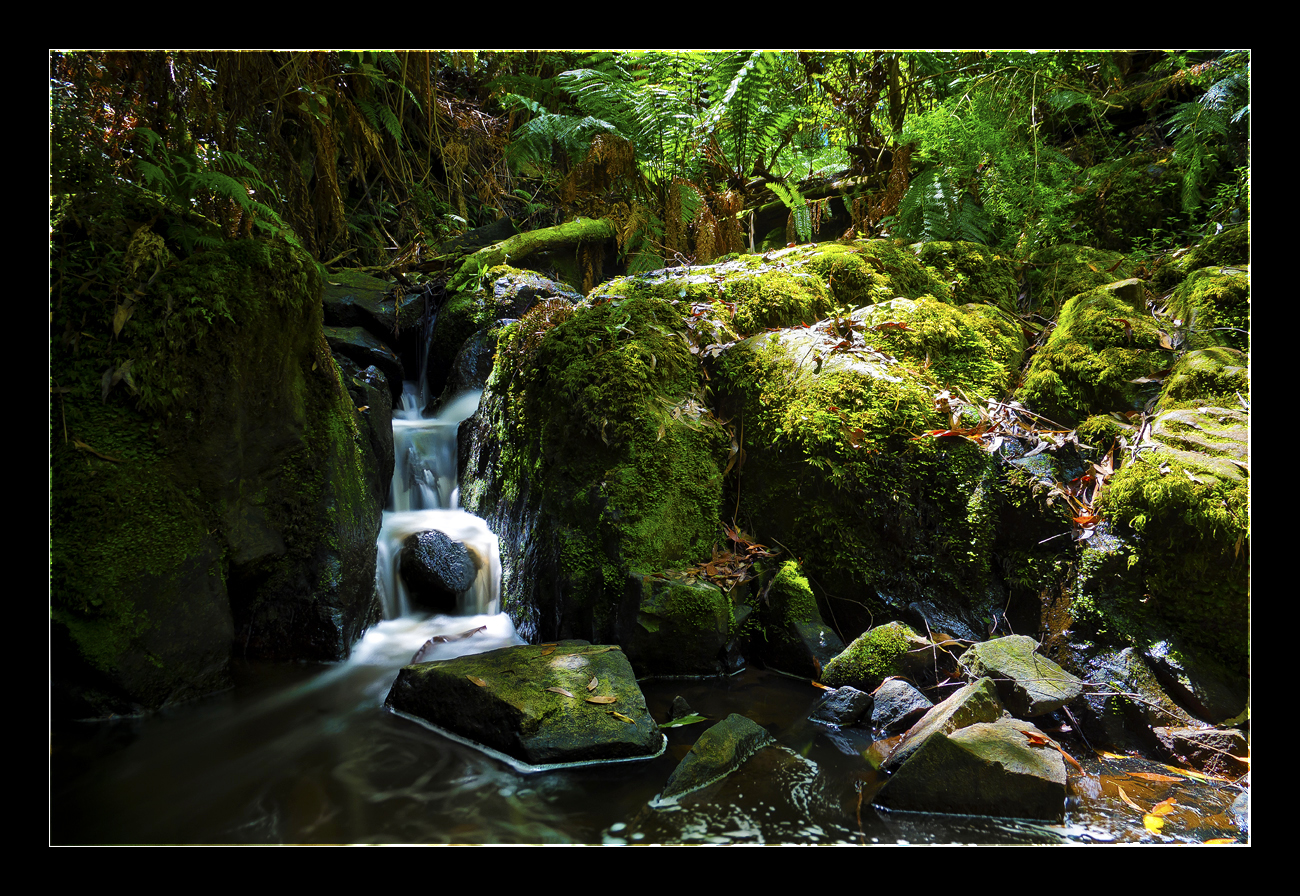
[
  {"x": 437, "y": 569},
  {"x": 1029, "y": 684},
  {"x": 544, "y": 704}
]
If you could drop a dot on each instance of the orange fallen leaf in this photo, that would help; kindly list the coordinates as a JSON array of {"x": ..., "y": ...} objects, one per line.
[
  {"x": 478, "y": 681},
  {"x": 548, "y": 649},
  {"x": 1035, "y": 740},
  {"x": 1164, "y": 807},
  {"x": 1219, "y": 840},
  {"x": 1152, "y": 776},
  {"x": 560, "y": 691},
  {"x": 1128, "y": 802},
  {"x": 606, "y": 699},
  {"x": 1153, "y": 823}
]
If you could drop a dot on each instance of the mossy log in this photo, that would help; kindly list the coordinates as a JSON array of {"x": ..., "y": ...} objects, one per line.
[{"x": 522, "y": 245}]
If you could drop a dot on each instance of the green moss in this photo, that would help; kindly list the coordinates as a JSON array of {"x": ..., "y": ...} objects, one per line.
[
  {"x": 871, "y": 658},
  {"x": 1100, "y": 345},
  {"x": 1193, "y": 542},
  {"x": 1214, "y": 306},
  {"x": 975, "y": 273},
  {"x": 1212, "y": 376}
]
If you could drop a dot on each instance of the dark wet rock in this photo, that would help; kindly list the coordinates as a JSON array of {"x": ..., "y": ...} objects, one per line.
[
  {"x": 1029, "y": 684},
  {"x": 793, "y": 636},
  {"x": 374, "y": 401},
  {"x": 683, "y": 627},
  {"x": 719, "y": 751},
  {"x": 938, "y": 620},
  {"x": 469, "y": 371},
  {"x": 1125, "y": 701},
  {"x": 976, "y": 702},
  {"x": 1205, "y": 688},
  {"x": 514, "y": 713},
  {"x": 437, "y": 569},
  {"x": 897, "y": 706},
  {"x": 843, "y": 707},
  {"x": 1215, "y": 751},
  {"x": 680, "y": 709},
  {"x": 987, "y": 768},
  {"x": 365, "y": 349},
  {"x": 356, "y": 299}
]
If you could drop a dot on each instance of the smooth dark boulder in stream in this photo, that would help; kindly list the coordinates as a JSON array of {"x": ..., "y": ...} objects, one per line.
[
  {"x": 542, "y": 705},
  {"x": 436, "y": 569}
]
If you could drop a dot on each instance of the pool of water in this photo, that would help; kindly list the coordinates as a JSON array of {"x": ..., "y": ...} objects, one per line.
[{"x": 307, "y": 754}]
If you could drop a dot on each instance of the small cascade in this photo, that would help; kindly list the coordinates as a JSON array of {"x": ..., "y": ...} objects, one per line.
[{"x": 424, "y": 496}]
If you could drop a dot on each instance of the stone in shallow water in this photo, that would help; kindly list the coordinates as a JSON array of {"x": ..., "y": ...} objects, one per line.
[
  {"x": 516, "y": 700},
  {"x": 718, "y": 752},
  {"x": 1003, "y": 769}
]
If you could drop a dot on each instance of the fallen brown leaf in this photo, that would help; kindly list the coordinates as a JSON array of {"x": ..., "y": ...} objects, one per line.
[
  {"x": 561, "y": 691},
  {"x": 605, "y": 699}
]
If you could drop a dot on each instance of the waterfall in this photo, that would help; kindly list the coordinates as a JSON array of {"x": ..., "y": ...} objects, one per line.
[{"x": 425, "y": 496}]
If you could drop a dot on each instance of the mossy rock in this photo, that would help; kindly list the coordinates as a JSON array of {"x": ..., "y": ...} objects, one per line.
[
  {"x": 683, "y": 627},
  {"x": 535, "y": 704},
  {"x": 1189, "y": 518},
  {"x": 1211, "y": 376},
  {"x": 838, "y": 470},
  {"x": 876, "y": 655},
  {"x": 975, "y": 273},
  {"x": 222, "y": 477},
  {"x": 1214, "y": 307},
  {"x": 1101, "y": 344},
  {"x": 605, "y": 460},
  {"x": 1228, "y": 248},
  {"x": 1058, "y": 273},
  {"x": 792, "y": 635}
]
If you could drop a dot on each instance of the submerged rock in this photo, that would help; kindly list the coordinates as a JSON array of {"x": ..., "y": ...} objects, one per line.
[
  {"x": 533, "y": 703},
  {"x": 1005, "y": 768},
  {"x": 719, "y": 752}
]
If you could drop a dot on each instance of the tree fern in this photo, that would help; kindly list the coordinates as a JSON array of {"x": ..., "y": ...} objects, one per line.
[
  {"x": 1201, "y": 129},
  {"x": 934, "y": 209}
]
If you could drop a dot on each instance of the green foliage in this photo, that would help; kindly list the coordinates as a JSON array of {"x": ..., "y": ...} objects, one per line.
[
  {"x": 185, "y": 178},
  {"x": 935, "y": 210},
  {"x": 799, "y": 211},
  {"x": 1202, "y": 130}
]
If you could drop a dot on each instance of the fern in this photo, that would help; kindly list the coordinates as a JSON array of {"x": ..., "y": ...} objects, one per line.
[
  {"x": 799, "y": 211},
  {"x": 933, "y": 209},
  {"x": 1202, "y": 128}
]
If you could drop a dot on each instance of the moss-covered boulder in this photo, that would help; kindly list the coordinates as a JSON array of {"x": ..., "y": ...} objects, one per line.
[
  {"x": 536, "y": 704},
  {"x": 1212, "y": 307},
  {"x": 791, "y": 635},
  {"x": 209, "y": 476},
  {"x": 1228, "y": 248},
  {"x": 886, "y": 650},
  {"x": 975, "y": 274},
  {"x": 1187, "y": 512},
  {"x": 1102, "y": 343},
  {"x": 684, "y": 626},
  {"x": 593, "y": 454},
  {"x": 1212, "y": 376},
  {"x": 838, "y": 467}
]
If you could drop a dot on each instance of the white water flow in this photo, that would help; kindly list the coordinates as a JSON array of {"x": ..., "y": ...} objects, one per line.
[{"x": 425, "y": 496}]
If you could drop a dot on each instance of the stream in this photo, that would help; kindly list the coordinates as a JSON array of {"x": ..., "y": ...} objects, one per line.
[{"x": 305, "y": 753}]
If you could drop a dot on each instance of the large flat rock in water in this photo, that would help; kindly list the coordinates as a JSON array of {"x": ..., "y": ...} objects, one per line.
[{"x": 540, "y": 704}]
